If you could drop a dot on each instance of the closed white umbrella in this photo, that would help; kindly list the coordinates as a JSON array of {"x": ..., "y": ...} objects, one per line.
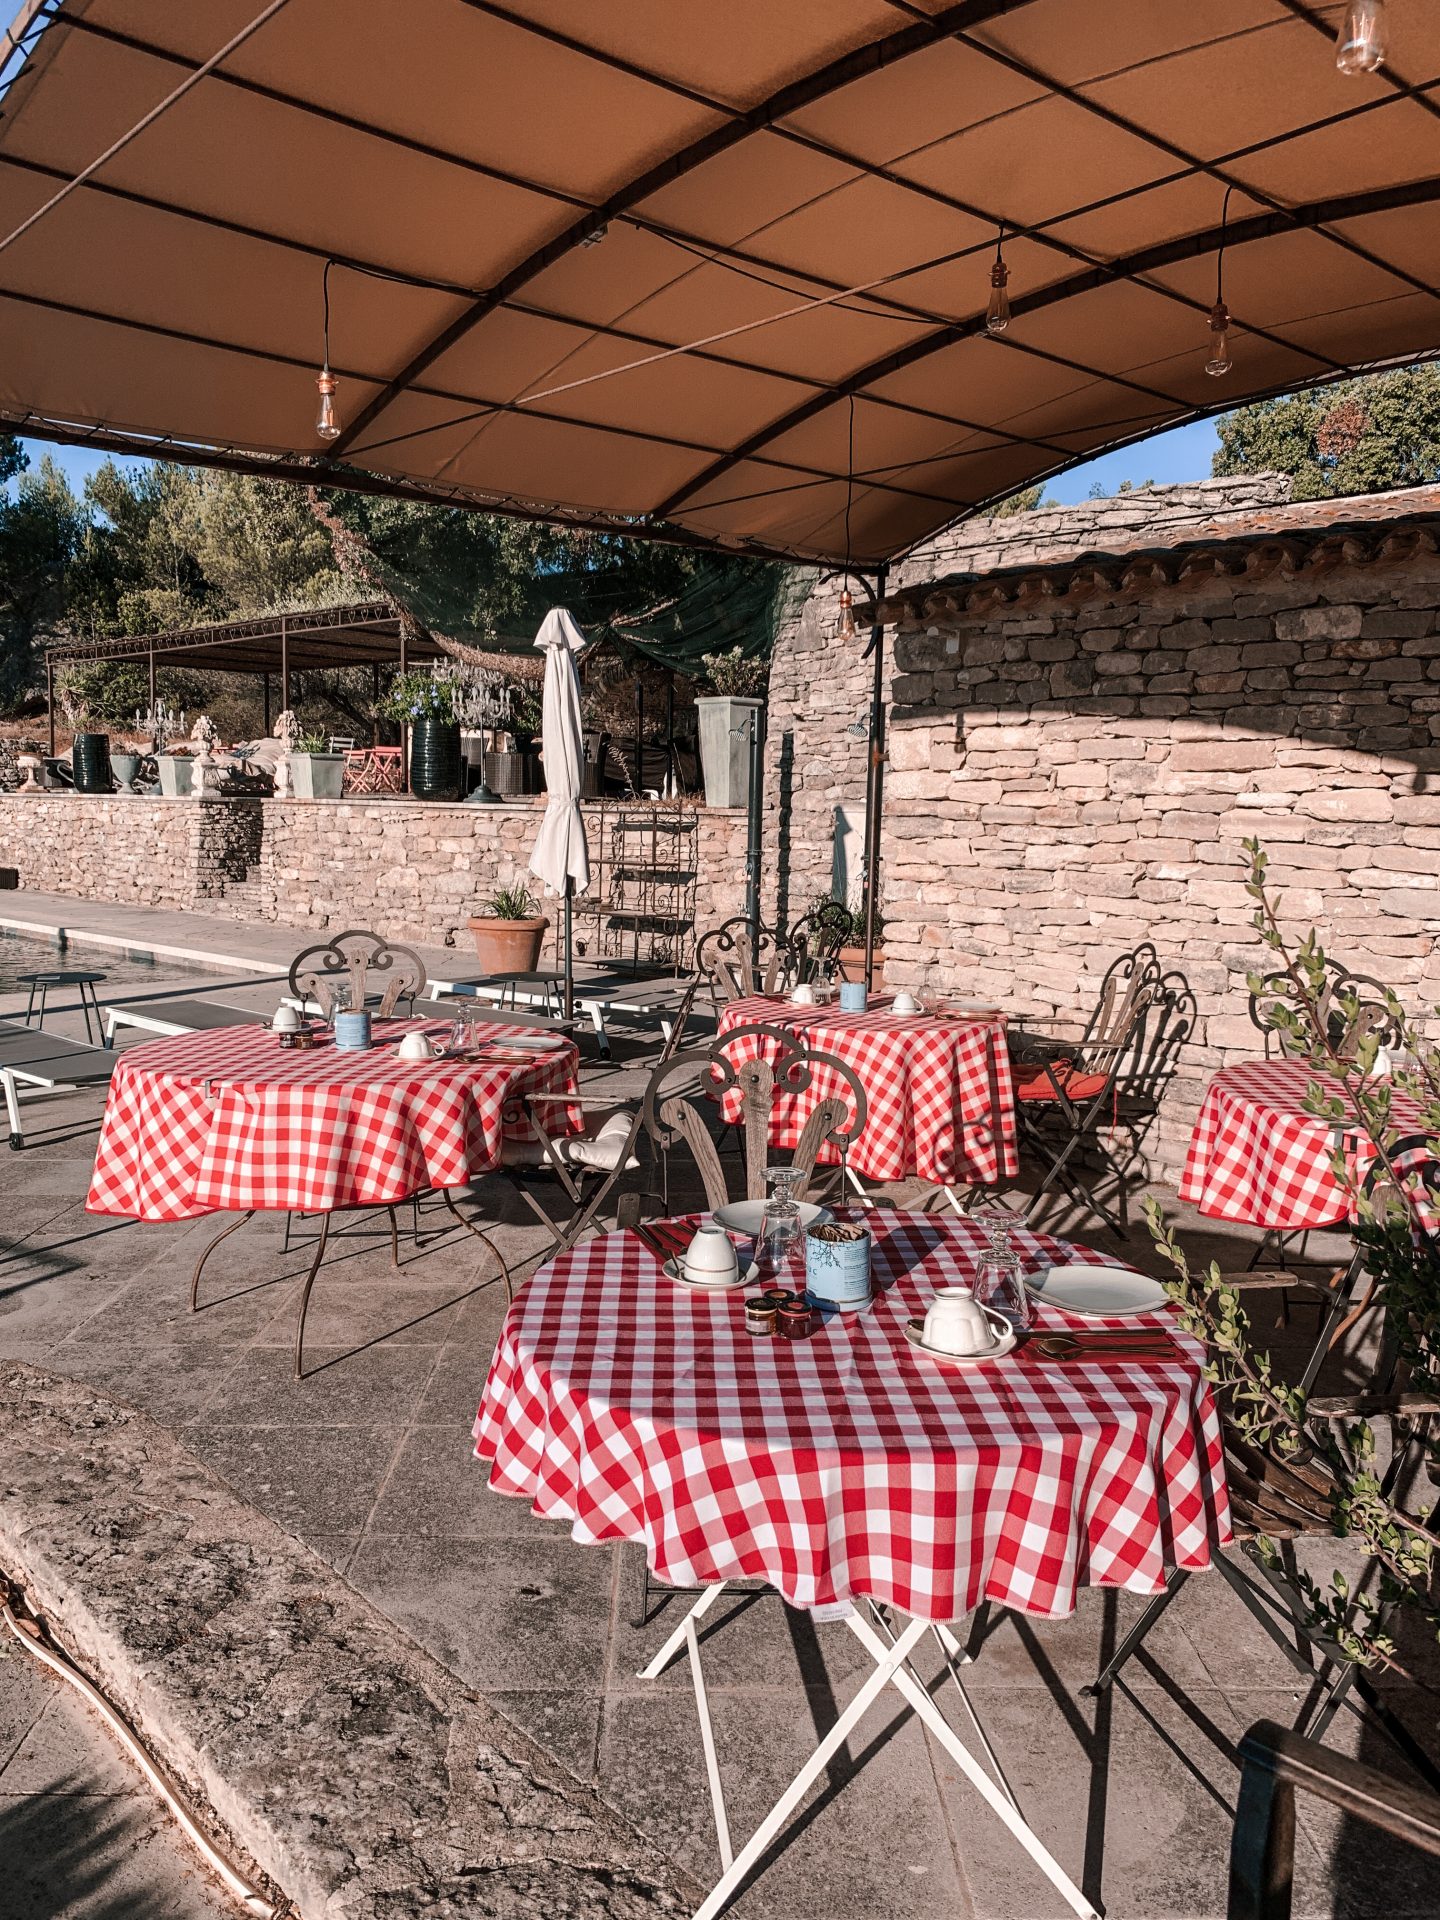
[{"x": 560, "y": 858}]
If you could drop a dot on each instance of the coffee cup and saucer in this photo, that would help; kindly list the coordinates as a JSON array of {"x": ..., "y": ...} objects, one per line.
[
  {"x": 709, "y": 1262},
  {"x": 959, "y": 1332}
]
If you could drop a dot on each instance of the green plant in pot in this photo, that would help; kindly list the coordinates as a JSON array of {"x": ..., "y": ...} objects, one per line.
[
  {"x": 726, "y": 716},
  {"x": 316, "y": 773},
  {"x": 426, "y": 705},
  {"x": 89, "y": 751},
  {"x": 509, "y": 930}
]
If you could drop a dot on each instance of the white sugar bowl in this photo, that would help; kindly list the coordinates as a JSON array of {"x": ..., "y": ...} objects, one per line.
[
  {"x": 414, "y": 1046},
  {"x": 957, "y": 1323}
]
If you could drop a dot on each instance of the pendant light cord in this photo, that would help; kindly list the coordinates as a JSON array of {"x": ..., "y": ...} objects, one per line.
[
  {"x": 1220, "y": 252},
  {"x": 849, "y": 478}
]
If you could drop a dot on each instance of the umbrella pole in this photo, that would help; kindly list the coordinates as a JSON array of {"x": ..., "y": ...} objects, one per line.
[
  {"x": 875, "y": 782},
  {"x": 569, "y": 948}
]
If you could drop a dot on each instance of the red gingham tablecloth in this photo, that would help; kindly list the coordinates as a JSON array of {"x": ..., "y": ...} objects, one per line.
[
  {"x": 1258, "y": 1157},
  {"x": 941, "y": 1099},
  {"x": 848, "y": 1464},
  {"x": 227, "y": 1120}
]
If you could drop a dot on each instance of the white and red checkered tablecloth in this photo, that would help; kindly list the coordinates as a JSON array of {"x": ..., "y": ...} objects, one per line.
[
  {"x": 848, "y": 1464},
  {"x": 940, "y": 1099},
  {"x": 1257, "y": 1156},
  {"x": 228, "y": 1120}
]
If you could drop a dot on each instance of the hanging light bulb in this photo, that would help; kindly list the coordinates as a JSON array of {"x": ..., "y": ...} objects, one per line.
[
  {"x": 997, "y": 314},
  {"x": 1360, "y": 43},
  {"x": 326, "y": 425},
  {"x": 1219, "y": 363},
  {"x": 845, "y": 628}
]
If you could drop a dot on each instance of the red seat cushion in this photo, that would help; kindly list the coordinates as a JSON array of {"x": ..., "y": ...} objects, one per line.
[{"x": 1035, "y": 1082}]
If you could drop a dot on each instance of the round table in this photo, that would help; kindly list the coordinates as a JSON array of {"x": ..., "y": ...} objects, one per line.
[
  {"x": 1256, "y": 1156},
  {"x": 84, "y": 978},
  {"x": 228, "y": 1120},
  {"x": 940, "y": 1098},
  {"x": 849, "y": 1464}
]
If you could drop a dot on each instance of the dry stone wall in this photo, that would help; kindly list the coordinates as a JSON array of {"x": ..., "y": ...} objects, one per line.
[
  {"x": 1073, "y": 773},
  {"x": 409, "y": 870}
]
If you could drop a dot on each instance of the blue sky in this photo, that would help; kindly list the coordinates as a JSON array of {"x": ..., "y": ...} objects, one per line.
[{"x": 1182, "y": 454}]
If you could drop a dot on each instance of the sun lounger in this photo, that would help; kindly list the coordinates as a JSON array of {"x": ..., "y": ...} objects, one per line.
[
  {"x": 600, "y": 997},
  {"x": 174, "y": 1016},
  {"x": 33, "y": 1059}
]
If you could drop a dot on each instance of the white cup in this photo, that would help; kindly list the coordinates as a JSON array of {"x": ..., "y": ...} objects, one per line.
[
  {"x": 957, "y": 1323},
  {"x": 287, "y": 1020},
  {"x": 905, "y": 1003},
  {"x": 414, "y": 1046},
  {"x": 803, "y": 995},
  {"x": 710, "y": 1256}
]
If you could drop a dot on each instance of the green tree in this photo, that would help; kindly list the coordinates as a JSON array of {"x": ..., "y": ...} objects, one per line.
[
  {"x": 41, "y": 531},
  {"x": 1366, "y": 435},
  {"x": 1025, "y": 501}
]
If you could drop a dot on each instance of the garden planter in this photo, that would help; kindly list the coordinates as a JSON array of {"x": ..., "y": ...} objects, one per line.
[
  {"x": 90, "y": 763},
  {"x": 317, "y": 776},
  {"x": 124, "y": 766},
  {"x": 435, "y": 760},
  {"x": 512, "y": 773},
  {"x": 852, "y": 959},
  {"x": 508, "y": 946},
  {"x": 725, "y": 722},
  {"x": 177, "y": 774}
]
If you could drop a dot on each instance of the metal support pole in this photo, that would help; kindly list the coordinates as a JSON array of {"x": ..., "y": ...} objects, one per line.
[
  {"x": 152, "y": 679},
  {"x": 639, "y": 782},
  {"x": 752, "y": 825},
  {"x": 265, "y": 693},
  {"x": 875, "y": 782},
  {"x": 50, "y": 700},
  {"x": 671, "y": 772},
  {"x": 569, "y": 948},
  {"x": 405, "y": 731},
  {"x": 285, "y": 665}
]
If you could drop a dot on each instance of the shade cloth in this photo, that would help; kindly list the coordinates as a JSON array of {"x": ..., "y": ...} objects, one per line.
[
  {"x": 210, "y": 1122},
  {"x": 846, "y": 1464},
  {"x": 560, "y": 852},
  {"x": 806, "y": 197}
]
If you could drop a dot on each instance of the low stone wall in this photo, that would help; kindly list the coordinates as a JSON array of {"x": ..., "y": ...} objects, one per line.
[{"x": 406, "y": 869}]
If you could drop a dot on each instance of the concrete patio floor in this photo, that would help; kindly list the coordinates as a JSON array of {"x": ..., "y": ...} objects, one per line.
[{"x": 369, "y": 1461}]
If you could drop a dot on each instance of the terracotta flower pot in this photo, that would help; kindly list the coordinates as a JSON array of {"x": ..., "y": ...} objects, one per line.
[
  {"x": 508, "y": 946},
  {"x": 853, "y": 961}
]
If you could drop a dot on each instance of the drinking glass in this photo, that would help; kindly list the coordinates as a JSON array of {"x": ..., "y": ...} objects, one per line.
[
  {"x": 1000, "y": 1277},
  {"x": 339, "y": 1001},
  {"x": 780, "y": 1228}
]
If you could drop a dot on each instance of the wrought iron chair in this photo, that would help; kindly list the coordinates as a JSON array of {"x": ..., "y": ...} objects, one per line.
[
  {"x": 685, "y": 1098},
  {"x": 813, "y": 942},
  {"x": 349, "y": 959},
  {"x": 1068, "y": 1092},
  {"x": 1274, "y": 1762},
  {"x": 1352, "y": 1006},
  {"x": 597, "y": 1155},
  {"x": 737, "y": 962}
]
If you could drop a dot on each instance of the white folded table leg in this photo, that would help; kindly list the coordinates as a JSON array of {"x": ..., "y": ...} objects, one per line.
[{"x": 892, "y": 1669}]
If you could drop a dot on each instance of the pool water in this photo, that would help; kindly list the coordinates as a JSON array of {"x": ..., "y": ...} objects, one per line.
[{"x": 122, "y": 966}]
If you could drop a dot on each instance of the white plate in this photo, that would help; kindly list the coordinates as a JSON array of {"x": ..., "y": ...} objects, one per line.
[
  {"x": 674, "y": 1271},
  {"x": 747, "y": 1216},
  {"x": 1104, "y": 1292},
  {"x": 531, "y": 1042},
  {"x": 1003, "y": 1345}
]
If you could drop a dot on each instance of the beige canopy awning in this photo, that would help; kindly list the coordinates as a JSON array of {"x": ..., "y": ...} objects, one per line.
[{"x": 530, "y": 205}]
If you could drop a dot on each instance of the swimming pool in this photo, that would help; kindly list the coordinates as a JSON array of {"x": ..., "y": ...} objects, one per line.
[{"x": 122, "y": 966}]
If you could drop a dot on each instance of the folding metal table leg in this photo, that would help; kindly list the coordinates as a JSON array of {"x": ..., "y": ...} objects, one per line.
[{"x": 1174, "y": 1581}]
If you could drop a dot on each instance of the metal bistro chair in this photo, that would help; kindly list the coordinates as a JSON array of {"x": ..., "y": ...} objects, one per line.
[
  {"x": 600, "y": 1153},
  {"x": 738, "y": 963},
  {"x": 1274, "y": 1762},
  {"x": 348, "y": 960},
  {"x": 1067, "y": 1092},
  {"x": 684, "y": 1098},
  {"x": 1352, "y": 1006},
  {"x": 814, "y": 941}
]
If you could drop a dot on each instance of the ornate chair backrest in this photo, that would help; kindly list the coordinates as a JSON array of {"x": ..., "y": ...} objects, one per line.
[
  {"x": 352, "y": 958},
  {"x": 1351, "y": 1006},
  {"x": 813, "y": 943},
  {"x": 684, "y": 1098},
  {"x": 1169, "y": 1022},
  {"x": 737, "y": 964},
  {"x": 1114, "y": 1031}
]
